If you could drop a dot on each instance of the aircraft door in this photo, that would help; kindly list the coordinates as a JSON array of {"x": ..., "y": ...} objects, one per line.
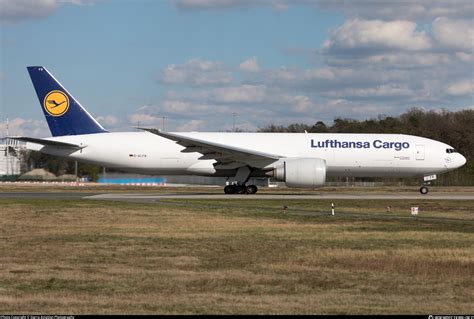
[{"x": 420, "y": 152}]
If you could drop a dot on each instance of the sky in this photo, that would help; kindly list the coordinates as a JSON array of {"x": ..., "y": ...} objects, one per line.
[{"x": 207, "y": 64}]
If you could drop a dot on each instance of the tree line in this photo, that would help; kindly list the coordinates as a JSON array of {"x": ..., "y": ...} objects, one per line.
[
  {"x": 60, "y": 166},
  {"x": 453, "y": 128}
]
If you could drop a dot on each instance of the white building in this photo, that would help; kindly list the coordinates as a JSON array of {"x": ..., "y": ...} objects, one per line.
[{"x": 10, "y": 157}]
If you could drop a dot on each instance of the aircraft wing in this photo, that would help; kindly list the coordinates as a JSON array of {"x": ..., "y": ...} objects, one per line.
[
  {"x": 223, "y": 154},
  {"x": 46, "y": 142}
]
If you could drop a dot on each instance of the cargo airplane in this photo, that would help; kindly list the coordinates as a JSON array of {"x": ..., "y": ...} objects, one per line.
[{"x": 299, "y": 160}]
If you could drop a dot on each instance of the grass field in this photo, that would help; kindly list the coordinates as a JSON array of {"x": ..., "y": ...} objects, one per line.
[{"x": 236, "y": 257}]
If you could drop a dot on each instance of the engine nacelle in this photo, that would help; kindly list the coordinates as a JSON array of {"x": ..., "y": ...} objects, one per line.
[{"x": 301, "y": 172}]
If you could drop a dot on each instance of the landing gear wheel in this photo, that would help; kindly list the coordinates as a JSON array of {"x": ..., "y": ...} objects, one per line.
[
  {"x": 424, "y": 190},
  {"x": 240, "y": 189},
  {"x": 251, "y": 189},
  {"x": 230, "y": 189}
]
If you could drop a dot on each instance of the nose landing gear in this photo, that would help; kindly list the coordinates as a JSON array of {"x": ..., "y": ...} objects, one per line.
[
  {"x": 426, "y": 182},
  {"x": 424, "y": 189}
]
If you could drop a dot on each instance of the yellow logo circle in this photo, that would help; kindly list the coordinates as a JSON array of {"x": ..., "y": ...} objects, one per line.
[{"x": 56, "y": 103}]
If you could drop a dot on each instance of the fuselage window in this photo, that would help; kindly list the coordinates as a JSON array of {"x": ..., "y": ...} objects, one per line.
[{"x": 450, "y": 150}]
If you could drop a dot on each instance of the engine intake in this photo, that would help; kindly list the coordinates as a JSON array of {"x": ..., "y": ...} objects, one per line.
[{"x": 301, "y": 172}]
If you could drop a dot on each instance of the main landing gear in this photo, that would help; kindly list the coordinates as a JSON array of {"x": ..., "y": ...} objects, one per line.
[{"x": 240, "y": 187}]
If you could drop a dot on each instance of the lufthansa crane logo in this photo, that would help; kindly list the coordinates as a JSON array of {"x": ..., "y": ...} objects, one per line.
[{"x": 56, "y": 103}]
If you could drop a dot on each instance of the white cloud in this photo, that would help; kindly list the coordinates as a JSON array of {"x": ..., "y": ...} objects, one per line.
[
  {"x": 212, "y": 108},
  {"x": 177, "y": 108},
  {"x": 340, "y": 108},
  {"x": 358, "y": 35},
  {"x": 207, "y": 4},
  {"x": 367, "y": 9},
  {"x": 249, "y": 65},
  {"x": 404, "y": 60},
  {"x": 180, "y": 107},
  {"x": 239, "y": 95},
  {"x": 454, "y": 34},
  {"x": 13, "y": 11},
  {"x": 25, "y": 127},
  {"x": 377, "y": 92},
  {"x": 242, "y": 94},
  {"x": 140, "y": 119},
  {"x": 402, "y": 9},
  {"x": 277, "y": 5},
  {"x": 460, "y": 88},
  {"x": 392, "y": 60},
  {"x": 380, "y": 60},
  {"x": 108, "y": 120},
  {"x": 196, "y": 72},
  {"x": 258, "y": 99},
  {"x": 300, "y": 104},
  {"x": 192, "y": 125},
  {"x": 384, "y": 59},
  {"x": 318, "y": 80},
  {"x": 465, "y": 57}
]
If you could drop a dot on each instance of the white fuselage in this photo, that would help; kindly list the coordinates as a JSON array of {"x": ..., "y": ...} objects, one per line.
[{"x": 360, "y": 155}]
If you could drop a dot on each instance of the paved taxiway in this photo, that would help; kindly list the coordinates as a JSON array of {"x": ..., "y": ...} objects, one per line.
[
  {"x": 140, "y": 197},
  {"x": 153, "y": 198},
  {"x": 45, "y": 195}
]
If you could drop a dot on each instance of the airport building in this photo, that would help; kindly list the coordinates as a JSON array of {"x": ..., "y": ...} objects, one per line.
[{"x": 11, "y": 153}]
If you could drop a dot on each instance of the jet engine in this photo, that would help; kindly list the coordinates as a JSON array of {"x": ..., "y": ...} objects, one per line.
[{"x": 300, "y": 172}]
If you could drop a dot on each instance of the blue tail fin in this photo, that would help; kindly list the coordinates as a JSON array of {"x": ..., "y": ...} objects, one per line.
[{"x": 65, "y": 116}]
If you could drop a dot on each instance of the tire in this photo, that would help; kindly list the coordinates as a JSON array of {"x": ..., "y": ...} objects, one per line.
[
  {"x": 251, "y": 189},
  {"x": 240, "y": 189},
  {"x": 424, "y": 190},
  {"x": 230, "y": 189}
]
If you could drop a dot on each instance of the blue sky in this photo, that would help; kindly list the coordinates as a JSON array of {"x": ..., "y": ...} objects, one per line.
[{"x": 271, "y": 62}]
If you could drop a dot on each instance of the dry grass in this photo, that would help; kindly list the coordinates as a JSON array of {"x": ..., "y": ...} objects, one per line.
[{"x": 226, "y": 257}]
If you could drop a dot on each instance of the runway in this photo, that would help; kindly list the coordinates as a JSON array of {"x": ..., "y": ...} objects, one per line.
[
  {"x": 146, "y": 197},
  {"x": 154, "y": 198},
  {"x": 45, "y": 195}
]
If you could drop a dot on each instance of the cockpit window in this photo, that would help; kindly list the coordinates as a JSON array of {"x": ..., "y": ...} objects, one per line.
[{"x": 450, "y": 150}]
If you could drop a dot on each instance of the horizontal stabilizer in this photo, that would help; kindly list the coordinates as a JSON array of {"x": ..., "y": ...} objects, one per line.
[{"x": 46, "y": 142}]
